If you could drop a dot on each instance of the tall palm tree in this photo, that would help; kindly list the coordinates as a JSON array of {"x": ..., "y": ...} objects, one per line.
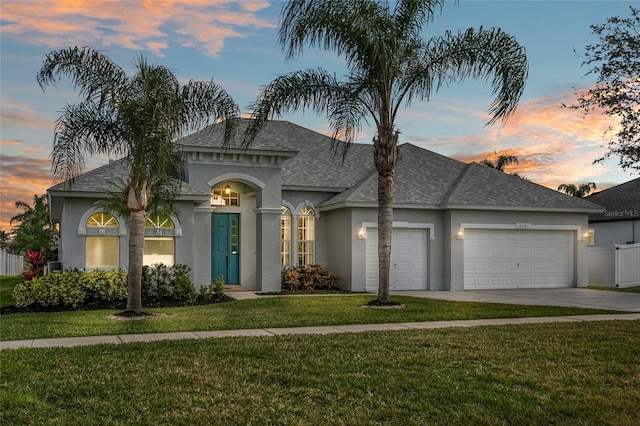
[
  {"x": 34, "y": 230},
  {"x": 579, "y": 191},
  {"x": 389, "y": 65},
  {"x": 136, "y": 116},
  {"x": 501, "y": 162}
]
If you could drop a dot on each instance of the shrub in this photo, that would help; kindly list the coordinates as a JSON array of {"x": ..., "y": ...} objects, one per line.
[
  {"x": 213, "y": 292},
  {"x": 35, "y": 260},
  {"x": 72, "y": 289},
  {"x": 312, "y": 277},
  {"x": 161, "y": 285}
]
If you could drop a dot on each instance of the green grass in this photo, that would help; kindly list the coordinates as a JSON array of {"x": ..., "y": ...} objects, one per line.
[
  {"x": 7, "y": 283},
  {"x": 266, "y": 312},
  {"x": 623, "y": 289},
  {"x": 562, "y": 373}
]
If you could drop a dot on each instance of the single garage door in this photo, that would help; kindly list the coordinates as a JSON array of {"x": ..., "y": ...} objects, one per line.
[
  {"x": 408, "y": 260},
  {"x": 503, "y": 259}
]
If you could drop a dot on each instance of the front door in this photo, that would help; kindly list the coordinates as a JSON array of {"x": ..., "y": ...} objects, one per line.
[{"x": 225, "y": 247}]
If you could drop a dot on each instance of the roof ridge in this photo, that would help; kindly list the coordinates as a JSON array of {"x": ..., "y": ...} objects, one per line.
[{"x": 455, "y": 185}]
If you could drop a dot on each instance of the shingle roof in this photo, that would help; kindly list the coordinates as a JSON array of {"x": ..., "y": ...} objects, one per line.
[
  {"x": 622, "y": 202},
  {"x": 109, "y": 177},
  {"x": 422, "y": 179},
  {"x": 314, "y": 163},
  {"x": 486, "y": 187}
]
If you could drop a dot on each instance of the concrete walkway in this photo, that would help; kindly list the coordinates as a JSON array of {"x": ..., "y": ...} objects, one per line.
[
  {"x": 573, "y": 297},
  {"x": 577, "y": 297},
  {"x": 353, "y": 328}
]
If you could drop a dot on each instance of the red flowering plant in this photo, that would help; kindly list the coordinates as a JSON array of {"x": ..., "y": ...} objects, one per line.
[{"x": 35, "y": 259}]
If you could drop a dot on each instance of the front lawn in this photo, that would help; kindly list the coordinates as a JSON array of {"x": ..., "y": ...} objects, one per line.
[
  {"x": 562, "y": 373},
  {"x": 7, "y": 283},
  {"x": 266, "y": 312}
]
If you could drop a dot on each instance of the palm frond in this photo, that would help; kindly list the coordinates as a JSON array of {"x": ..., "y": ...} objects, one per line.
[
  {"x": 84, "y": 129},
  {"x": 479, "y": 54},
  {"x": 91, "y": 72},
  {"x": 313, "y": 89}
]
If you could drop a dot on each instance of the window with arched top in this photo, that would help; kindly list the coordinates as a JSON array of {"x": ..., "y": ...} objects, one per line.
[
  {"x": 224, "y": 197},
  {"x": 306, "y": 236},
  {"x": 285, "y": 237},
  {"x": 159, "y": 241},
  {"x": 102, "y": 243}
]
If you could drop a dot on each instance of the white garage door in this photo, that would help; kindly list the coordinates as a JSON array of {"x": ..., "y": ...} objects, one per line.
[
  {"x": 503, "y": 259},
  {"x": 408, "y": 260}
]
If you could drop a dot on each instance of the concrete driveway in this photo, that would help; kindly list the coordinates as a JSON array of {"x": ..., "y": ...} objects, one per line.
[{"x": 580, "y": 297}]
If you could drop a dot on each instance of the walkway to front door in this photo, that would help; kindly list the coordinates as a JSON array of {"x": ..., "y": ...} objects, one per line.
[{"x": 225, "y": 247}]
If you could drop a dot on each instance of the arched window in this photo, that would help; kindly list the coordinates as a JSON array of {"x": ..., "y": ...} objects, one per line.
[
  {"x": 102, "y": 244},
  {"x": 285, "y": 237},
  {"x": 159, "y": 245},
  {"x": 224, "y": 197},
  {"x": 306, "y": 236}
]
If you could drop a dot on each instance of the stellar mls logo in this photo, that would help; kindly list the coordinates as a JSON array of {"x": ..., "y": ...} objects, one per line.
[{"x": 622, "y": 213}]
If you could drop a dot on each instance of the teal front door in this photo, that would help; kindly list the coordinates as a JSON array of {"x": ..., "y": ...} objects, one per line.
[{"x": 225, "y": 247}]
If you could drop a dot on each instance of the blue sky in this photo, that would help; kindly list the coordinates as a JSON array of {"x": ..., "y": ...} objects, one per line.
[{"x": 234, "y": 42}]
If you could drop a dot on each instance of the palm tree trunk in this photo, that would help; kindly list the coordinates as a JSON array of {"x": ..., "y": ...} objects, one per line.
[
  {"x": 385, "y": 158},
  {"x": 136, "y": 251}
]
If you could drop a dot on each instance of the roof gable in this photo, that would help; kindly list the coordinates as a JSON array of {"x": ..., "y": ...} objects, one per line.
[{"x": 622, "y": 202}]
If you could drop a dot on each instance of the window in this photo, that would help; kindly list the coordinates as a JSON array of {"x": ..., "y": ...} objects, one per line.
[
  {"x": 159, "y": 247},
  {"x": 102, "y": 244},
  {"x": 306, "y": 236},
  {"x": 224, "y": 197},
  {"x": 285, "y": 237}
]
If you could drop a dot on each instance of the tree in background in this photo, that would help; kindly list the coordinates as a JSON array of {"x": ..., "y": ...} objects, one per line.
[
  {"x": 34, "y": 230},
  {"x": 5, "y": 239},
  {"x": 138, "y": 117},
  {"x": 389, "y": 65},
  {"x": 501, "y": 162},
  {"x": 615, "y": 60},
  {"x": 579, "y": 191}
]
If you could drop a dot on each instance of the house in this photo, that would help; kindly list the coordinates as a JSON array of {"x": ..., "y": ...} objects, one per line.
[
  {"x": 289, "y": 200},
  {"x": 614, "y": 236},
  {"x": 619, "y": 223}
]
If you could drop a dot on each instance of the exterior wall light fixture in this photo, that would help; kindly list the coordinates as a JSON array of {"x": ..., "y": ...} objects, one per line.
[
  {"x": 362, "y": 233},
  {"x": 460, "y": 234}
]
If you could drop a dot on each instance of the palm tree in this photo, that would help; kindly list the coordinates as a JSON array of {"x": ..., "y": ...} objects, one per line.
[
  {"x": 579, "y": 191},
  {"x": 34, "y": 230},
  {"x": 136, "y": 116},
  {"x": 389, "y": 65},
  {"x": 501, "y": 162}
]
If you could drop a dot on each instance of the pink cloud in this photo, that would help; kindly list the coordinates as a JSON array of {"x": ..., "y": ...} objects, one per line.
[
  {"x": 21, "y": 178},
  {"x": 553, "y": 144},
  {"x": 203, "y": 25}
]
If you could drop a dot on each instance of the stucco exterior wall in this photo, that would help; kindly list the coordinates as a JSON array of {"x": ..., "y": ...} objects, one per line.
[
  {"x": 352, "y": 265},
  {"x": 623, "y": 232}
]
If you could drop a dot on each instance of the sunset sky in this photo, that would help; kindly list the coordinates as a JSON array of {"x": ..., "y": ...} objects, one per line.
[{"x": 234, "y": 42}]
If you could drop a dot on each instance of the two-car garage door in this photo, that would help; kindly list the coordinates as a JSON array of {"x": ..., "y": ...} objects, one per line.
[
  {"x": 408, "y": 259},
  {"x": 502, "y": 259}
]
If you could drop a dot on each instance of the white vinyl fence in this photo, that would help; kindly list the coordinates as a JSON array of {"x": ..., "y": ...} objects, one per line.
[
  {"x": 11, "y": 264},
  {"x": 617, "y": 266}
]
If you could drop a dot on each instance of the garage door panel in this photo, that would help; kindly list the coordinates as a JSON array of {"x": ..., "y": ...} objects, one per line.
[
  {"x": 408, "y": 260},
  {"x": 517, "y": 258}
]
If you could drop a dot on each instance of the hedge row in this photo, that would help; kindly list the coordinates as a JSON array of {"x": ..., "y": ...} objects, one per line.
[{"x": 161, "y": 285}]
